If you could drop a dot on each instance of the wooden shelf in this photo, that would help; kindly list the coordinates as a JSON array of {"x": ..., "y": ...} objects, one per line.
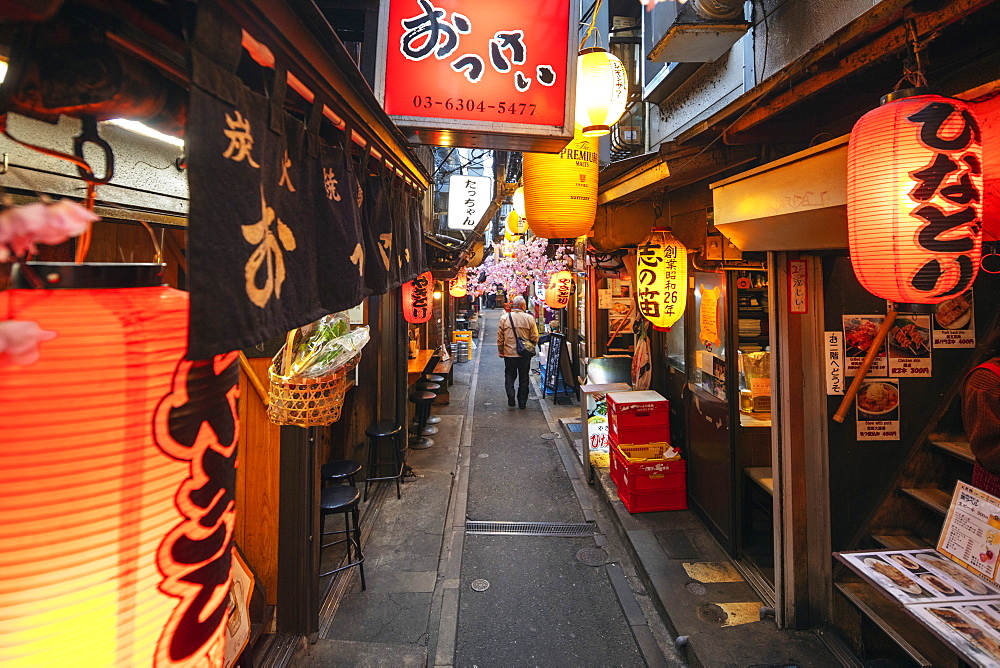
[
  {"x": 902, "y": 542},
  {"x": 930, "y": 497},
  {"x": 959, "y": 449},
  {"x": 921, "y": 646},
  {"x": 763, "y": 476}
]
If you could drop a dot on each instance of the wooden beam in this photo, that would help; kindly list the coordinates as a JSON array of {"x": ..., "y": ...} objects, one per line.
[{"x": 841, "y": 56}]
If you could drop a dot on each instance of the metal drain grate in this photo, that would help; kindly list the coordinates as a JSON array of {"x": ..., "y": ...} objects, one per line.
[
  {"x": 574, "y": 427},
  {"x": 530, "y": 528}
]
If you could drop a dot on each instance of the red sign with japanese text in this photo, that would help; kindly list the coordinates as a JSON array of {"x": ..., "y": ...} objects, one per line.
[{"x": 496, "y": 62}]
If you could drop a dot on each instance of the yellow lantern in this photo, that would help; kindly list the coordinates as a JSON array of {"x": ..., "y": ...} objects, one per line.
[
  {"x": 661, "y": 278},
  {"x": 519, "y": 201},
  {"x": 516, "y": 224},
  {"x": 601, "y": 91},
  {"x": 561, "y": 189},
  {"x": 559, "y": 289},
  {"x": 458, "y": 286}
]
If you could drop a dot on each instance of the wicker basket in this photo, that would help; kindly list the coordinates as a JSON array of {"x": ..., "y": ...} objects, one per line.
[{"x": 308, "y": 402}]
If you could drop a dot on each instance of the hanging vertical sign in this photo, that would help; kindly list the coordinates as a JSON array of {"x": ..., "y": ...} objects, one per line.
[
  {"x": 557, "y": 294},
  {"x": 468, "y": 199},
  {"x": 797, "y": 287},
  {"x": 834, "y": 362},
  {"x": 480, "y": 74},
  {"x": 417, "y": 306}
]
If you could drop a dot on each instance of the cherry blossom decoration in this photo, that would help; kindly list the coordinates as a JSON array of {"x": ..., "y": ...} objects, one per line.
[
  {"x": 519, "y": 265},
  {"x": 19, "y": 342}
]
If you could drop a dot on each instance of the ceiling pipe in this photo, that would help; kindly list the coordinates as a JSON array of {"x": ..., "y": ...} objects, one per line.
[{"x": 718, "y": 10}]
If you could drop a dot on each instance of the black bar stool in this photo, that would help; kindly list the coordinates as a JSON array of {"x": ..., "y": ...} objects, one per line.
[
  {"x": 429, "y": 429},
  {"x": 343, "y": 500},
  {"x": 390, "y": 468},
  {"x": 340, "y": 470},
  {"x": 423, "y": 401},
  {"x": 433, "y": 378}
]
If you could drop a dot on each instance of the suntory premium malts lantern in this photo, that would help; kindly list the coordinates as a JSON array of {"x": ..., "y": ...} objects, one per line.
[
  {"x": 661, "y": 278},
  {"x": 560, "y": 190},
  {"x": 117, "y": 476},
  {"x": 559, "y": 289},
  {"x": 914, "y": 199},
  {"x": 417, "y": 306}
]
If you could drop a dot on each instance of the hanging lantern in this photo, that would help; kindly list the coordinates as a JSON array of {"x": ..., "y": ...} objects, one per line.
[
  {"x": 416, "y": 298},
  {"x": 110, "y": 552},
  {"x": 558, "y": 292},
  {"x": 661, "y": 278},
  {"x": 516, "y": 224},
  {"x": 519, "y": 201},
  {"x": 914, "y": 198},
  {"x": 458, "y": 285},
  {"x": 561, "y": 189},
  {"x": 601, "y": 91}
]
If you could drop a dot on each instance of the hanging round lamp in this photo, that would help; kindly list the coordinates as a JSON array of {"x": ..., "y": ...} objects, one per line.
[
  {"x": 914, "y": 198},
  {"x": 601, "y": 91},
  {"x": 559, "y": 289},
  {"x": 516, "y": 224},
  {"x": 112, "y": 555},
  {"x": 561, "y": 189},
  {"x": 661, "y": 278},
  {"x": 416, "y": 298},
  {"x": 519, "y": 201},
  {"x": 458, "y": 285}
]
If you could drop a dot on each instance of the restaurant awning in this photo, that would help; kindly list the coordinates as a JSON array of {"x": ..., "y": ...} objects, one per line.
[{"x": 796, "y": 203}]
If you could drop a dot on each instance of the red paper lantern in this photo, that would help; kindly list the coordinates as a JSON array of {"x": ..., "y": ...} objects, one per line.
[
  {"x": 117, "y": 476},
  {"x": 557, "y": 294},
  {"x": 417, "y": 306},
  {"x": 914, "y": 199}
]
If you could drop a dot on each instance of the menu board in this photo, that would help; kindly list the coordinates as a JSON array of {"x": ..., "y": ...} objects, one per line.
[
  {"x": 909, "y": 343},
  {"x": 877, "y": 405},
  {"x": 859, "y": 336},
  {"x": 954, "y": 323},
  {"x": 971, "y": 533},
  {"x": 952, "y": 590}
]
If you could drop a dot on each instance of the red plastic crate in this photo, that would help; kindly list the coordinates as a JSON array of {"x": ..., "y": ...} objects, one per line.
[
  {"x": 643, "y": 408},
  {"x": 649, "y": 485},
  {"x": 655, "y": 433}
]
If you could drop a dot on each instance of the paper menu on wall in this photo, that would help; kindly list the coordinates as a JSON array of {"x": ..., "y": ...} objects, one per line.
[{"x": 971, "y": 532}]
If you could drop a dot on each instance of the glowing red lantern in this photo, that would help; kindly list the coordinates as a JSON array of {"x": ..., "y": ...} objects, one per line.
[
  {"x": 110, "y": 551},
  {"x": 417, "y": 306},
  {"x": 458, "y": 286},
  {"x": 558, "y": 292},
  {"x": 914, "y": 199}
]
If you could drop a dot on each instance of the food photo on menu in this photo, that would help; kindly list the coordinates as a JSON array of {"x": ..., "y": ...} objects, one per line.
[
  {"x": 967, "y": 583},
  {"x": 878, "y": 400},
  {"x": 955, "y": 313},
  {"x": 909, "y": 337},
  {"x": 919, "y": 576},
  {"x": 971, "y": 629},
  {"x": 895, "y": 578}
]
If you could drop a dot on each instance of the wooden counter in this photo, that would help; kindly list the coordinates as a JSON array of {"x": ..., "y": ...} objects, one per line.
[{"x": 416, "y": 366}]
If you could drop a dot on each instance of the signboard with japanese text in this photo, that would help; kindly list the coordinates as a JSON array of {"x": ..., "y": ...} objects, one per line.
[
  {"x": 480, "y": 74},
  {"x": 971, "y": 532},
  {"x": 954, "y": 322},
  {"x": 797, "y": 287},
  {"x": 859, "y": 335},
  {"x": 834, "y": 362},
  {"x": 877, "y": 404},
  {"x": 909, "y": 346},
  {"x": 468, "y": 199}
]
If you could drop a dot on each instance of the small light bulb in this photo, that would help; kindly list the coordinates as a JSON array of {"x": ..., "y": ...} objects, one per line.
[{"x": 437, "y": 294}]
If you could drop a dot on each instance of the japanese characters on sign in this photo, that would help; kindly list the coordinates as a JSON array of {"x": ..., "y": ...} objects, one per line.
[
  {"x": 459, "y": 60},
  {"x": 859, "y": 335},
  {"x": 909, "y": 346},
  {"x": 971, "y": 532},
  {"x": 834, "y": 362},
  {"x": 557, "y": 294},
  {"x": 468, "y": 199},
  {"x": 955, "y": 323},
  {"x": 661, "y": 278},
  {"x": 877, "y": 404},
  {"x": 416, "y": 298},
  {"x": 797, "y": 287}
]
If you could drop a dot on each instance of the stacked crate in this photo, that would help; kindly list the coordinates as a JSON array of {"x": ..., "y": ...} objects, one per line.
[{"x": 649, "y": 473}]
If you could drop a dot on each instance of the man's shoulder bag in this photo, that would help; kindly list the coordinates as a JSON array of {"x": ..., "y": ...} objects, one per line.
[{"x": 524, "y": 348}]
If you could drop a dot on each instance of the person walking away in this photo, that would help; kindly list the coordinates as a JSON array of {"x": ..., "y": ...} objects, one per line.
[{"x": 516, "y": 323}]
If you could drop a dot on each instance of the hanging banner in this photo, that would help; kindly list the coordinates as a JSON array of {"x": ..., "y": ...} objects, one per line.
[
  {"x": 480, "y": 74},
  {"x": 910, "y": 346},
  {"x": 955, "y": 323},
  {"x": 834, "y": 362},
  {"x": 797, "y": 287},
  {"x": 468, "y": 199},
  {"x": 859, "y": 334},
  {"x": 877, "y": 404}
]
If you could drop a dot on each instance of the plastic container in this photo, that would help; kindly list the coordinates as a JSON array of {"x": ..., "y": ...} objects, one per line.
[
  {"x": 643, "y": 408},
  {"x": 649, "y": 485},
  {"x": 656, "y": 433}
]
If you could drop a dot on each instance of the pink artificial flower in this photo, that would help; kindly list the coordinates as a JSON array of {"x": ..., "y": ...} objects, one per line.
[
  {"x": 19, "y": 341},
  {"x": 22, "y": 227}
]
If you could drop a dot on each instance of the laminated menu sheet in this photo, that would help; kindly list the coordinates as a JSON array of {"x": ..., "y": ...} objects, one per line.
[{"x": 952, "y": 590}]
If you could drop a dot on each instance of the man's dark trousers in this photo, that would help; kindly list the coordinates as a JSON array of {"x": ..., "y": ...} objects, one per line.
[{"x": 515, "y": 367}]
